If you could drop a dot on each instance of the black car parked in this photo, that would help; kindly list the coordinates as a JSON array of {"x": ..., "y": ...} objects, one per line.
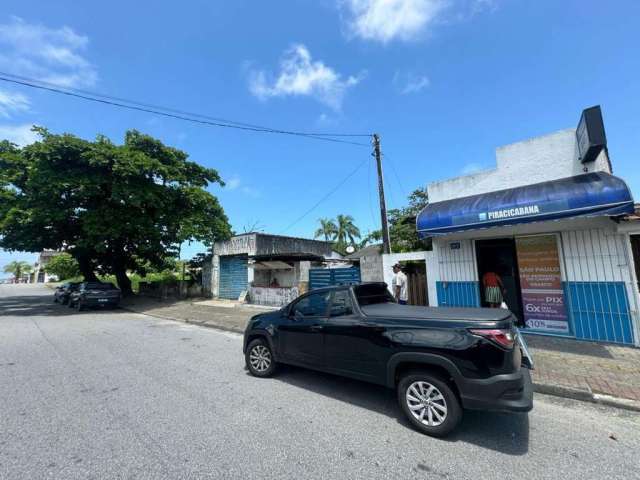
[
  {"x": 440, "y": 360},
  {"x": 62, "y": 292},
  {"x": 94, "y": 294}
]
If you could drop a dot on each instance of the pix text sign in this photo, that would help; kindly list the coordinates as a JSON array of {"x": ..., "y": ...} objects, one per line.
[{"x": 541, "y": 283}]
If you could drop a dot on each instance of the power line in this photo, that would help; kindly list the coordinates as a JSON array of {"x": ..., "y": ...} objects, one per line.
[
  {"x": 395, "y": 174},
  {"x": 171, "y": 113},
  {"x": 331, "y": 192},
  {"x": 373, "y": 217}
]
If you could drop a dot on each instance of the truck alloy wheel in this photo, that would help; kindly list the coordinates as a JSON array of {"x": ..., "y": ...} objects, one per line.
[
  {"x": 426, "y": 403},
  {"x": 429, "y": 403},
  {"x": 259, "y": 359}
]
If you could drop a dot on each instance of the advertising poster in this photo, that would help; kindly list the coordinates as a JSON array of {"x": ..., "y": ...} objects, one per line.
[{"x": 543, "y": 299}]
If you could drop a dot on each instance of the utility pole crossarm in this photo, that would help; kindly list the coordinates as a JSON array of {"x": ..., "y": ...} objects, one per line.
[{"x": 386, "y": 244}]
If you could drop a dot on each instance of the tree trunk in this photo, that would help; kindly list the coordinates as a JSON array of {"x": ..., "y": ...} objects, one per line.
[
  {"x": 86, "y": 268},
  {"x": 124, "y": 283}
]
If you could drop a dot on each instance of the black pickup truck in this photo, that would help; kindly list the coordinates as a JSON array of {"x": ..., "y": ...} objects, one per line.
[{"x": 440, "y": 360}]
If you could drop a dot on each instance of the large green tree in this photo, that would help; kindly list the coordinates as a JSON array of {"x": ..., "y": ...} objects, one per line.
[
  {"x": 402, "y": 224},
  {"x": 18, "y": 268},
  {"x": 63, "y": 266},
  {"x": 114, "y": 208}
]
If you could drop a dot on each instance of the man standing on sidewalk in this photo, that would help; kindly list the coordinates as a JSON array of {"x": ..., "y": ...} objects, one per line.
[{"x": 399, "y": 285}]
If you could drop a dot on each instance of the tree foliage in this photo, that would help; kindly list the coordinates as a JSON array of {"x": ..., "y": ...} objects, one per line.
[
  {"x": 342, "y": 232},
  {"x": 63, "y": 266},
  {"x": 18, "y": 268},
  {"x": 114, "y": 208},
  {"x": 402, "y": 225},
  {"x": 327, "y": 230}
]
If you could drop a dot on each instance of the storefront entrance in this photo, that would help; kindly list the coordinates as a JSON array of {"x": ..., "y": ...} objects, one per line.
[{"x": 499, "y": 256}]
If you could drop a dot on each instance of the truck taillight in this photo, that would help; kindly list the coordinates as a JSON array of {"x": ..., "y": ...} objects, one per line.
[{"x": 504, "y": 338}]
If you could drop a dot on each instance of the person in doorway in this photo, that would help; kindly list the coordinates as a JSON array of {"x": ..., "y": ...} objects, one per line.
[
  {"x": 399, "y": 285},
  {"x": 493, "y": 289}
]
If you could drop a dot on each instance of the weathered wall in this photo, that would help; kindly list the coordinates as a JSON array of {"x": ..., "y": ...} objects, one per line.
[
  {"x": 371, "y": 269},
  {"x": 275, "y": 297},
  {"x": 237, "y": 245},
  {"x": 207, "y": 268},
  {"x": 538, "y": 159},
  {"x": 277, "y": 245}
]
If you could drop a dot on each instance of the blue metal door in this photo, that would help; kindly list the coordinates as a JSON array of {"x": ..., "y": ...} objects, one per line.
[
  {"x": 233, "y": 276},
  {"x": 324, "y": 277}
]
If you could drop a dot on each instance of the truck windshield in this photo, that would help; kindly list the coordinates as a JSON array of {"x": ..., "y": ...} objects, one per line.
[{"x": 372, "y": 294}]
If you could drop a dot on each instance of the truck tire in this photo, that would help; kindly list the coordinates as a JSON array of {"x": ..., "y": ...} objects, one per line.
[
  {"x": 259, "y": 358},
  {"x": 429, "y": 403}
]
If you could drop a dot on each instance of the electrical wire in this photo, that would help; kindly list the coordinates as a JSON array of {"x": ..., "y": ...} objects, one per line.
[
  {"x": 331, "y": 192},
  {"x": 171, "y": 113},
  {"x": 395, "y": 173},
  {"x": 369, "y": 187}
]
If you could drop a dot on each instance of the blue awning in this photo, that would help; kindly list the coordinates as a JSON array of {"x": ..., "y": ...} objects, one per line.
[{"x": 590, "y": 194}]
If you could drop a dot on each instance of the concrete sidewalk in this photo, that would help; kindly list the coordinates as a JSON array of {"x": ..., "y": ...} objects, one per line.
[
  {"x": 208, "y": 313},
  {"x": 594, "y": 372},
  {"x": 603, "y": 373}
]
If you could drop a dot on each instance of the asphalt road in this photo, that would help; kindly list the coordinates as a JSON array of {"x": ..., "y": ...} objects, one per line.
[{"x": 103, "y": 394}]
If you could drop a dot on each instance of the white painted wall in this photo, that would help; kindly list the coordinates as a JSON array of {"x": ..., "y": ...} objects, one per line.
[
  {"x": 390, "y": 259},
  {"x": 432, "y": 277},
  {"x": 456, "y": 265},
  {"x": 535, "y": 160}
]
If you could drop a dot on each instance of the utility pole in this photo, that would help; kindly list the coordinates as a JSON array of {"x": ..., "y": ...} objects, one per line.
[{"x": 386, "y": 244}]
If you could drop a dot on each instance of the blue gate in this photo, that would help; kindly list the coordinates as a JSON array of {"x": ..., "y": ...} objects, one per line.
[
  {"x": 324, "y": 277},
  {"x": 233, "y": 276}
]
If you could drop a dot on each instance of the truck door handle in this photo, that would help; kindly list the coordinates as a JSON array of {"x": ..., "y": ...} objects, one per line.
[{"x": 316, "y": 328}]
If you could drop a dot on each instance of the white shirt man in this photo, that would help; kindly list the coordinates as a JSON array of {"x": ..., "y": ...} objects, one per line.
[{"x": 399, "y": 285}]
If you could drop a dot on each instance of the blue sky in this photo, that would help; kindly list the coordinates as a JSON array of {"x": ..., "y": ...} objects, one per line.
[{"x": 443, "y": 82}]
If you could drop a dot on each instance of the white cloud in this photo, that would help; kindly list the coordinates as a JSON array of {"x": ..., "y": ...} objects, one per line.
[
  {"x": 48, "y": 54},
  {"x": 21, "y": 135},
  {"x": 471, "y": 168},
  {"x": 232, "y": 183},
  {"x": 300, "y": 75},
  {"x": 235, "y": 183},
  {"x": 251, "y": 192},
  {"x": 386, "y": 20},
  {"x": 13, "y": 102},
  {"x": 410, "y": 82}
]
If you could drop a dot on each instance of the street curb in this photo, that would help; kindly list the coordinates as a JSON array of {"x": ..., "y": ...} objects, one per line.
[
  {"x": 197, "y": 323},
  {"x": 586, "y": 396}
]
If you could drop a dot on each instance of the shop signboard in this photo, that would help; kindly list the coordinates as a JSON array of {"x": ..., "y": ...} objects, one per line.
[{"x": 541, "y": 283}]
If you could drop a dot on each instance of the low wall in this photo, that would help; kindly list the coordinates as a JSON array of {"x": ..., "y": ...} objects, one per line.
[
  {"x": 170, "y": 290},
  {"x": 272, "y": 296}
]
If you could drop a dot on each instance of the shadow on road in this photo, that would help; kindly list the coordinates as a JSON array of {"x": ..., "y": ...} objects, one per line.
[
  {"x": 37, "y": 305},
  {"x": 502, "y": 432}
]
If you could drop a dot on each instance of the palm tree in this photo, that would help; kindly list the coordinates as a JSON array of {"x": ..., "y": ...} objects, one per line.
[
  {"x": 18, "y": 268},
  {"x": 328, "y": 229},
  {"x": 346, "y": 230}
]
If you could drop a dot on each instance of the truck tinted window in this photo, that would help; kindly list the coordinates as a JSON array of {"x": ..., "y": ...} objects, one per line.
[
  {"x": 312, "y": 306},
  {"x": 341, "y": 304},
  {"x": 372, "y": 294}
]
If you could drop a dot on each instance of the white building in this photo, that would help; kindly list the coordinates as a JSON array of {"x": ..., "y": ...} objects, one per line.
[{"x": 557, "y": 228}]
